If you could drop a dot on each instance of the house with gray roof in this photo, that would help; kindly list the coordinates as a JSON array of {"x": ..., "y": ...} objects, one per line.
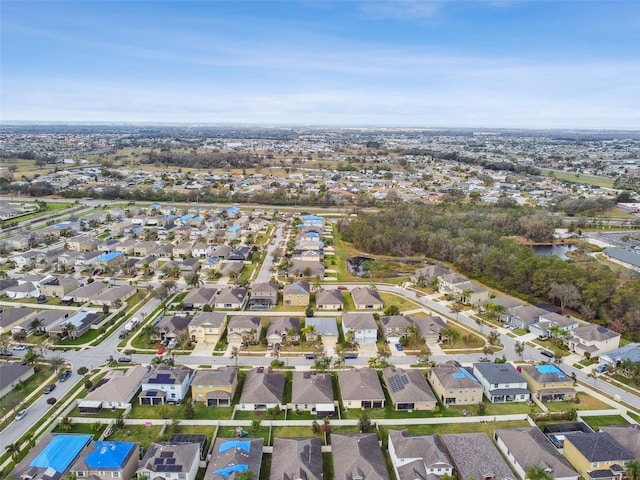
[
  {"x": 11, "y": 374},
  {"x": 523, "y": 316},
  {"x": 263, "y": 296},
  {"x": 283, "y": 329},
  {"x": 116, "y": 390},
  {"x": 294, "y": 458},
  {"x": 198, "y": 297},
  {"x": 234, "y": 298},
  {"x": 501, "y": 382},
  {"x": 593, "y": 340},
  {"x": 171, "y": 325},
  {"x": 296, "y": 294},
  {"x": 357, "y": 456},
  {"x": 528, "y": 447},
  {"x": 596, "y": 455},
  {"x": 363, "y": 325},
  {"x": 428, "y": 273},
  {"x": 312, "y": 392},
  {"x": 164, "y": 383},
  {"x": 623, "y": 257},
  {"x": 326, "y": 328},
  {"x": 243, "y": 328},
  {"x": 306, "y": 269},
  {"x": 231, "y": 456},
  {"x": 430, "y": 327},
  {"x": 626, "y": 435},
  {"x": 215, "y": 387},
  {"x": 114, "y": 296},
  {"x": 207, "y": 327},
  {"x": 408, "y": 389},
  {"x": 360, "y": 389},
  {"x": 11, "y": 317},
  {"x": 418, "y": 456},
  {"x": 329, "y": 300},
  {"x": 263, "y": 389},
  {"x": 86, "y": 293},
  {"x": 630, "y": 352},
  {"x": 474, "y": 455},
  {"x": 366, "y": 298},
  {"x": 170, "y": 460},
  {"x": 394, "y": 327}
]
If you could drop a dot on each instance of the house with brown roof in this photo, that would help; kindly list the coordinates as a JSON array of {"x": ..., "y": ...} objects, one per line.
[
  {"x": 418, "y": 456},
  {"x": 430, "y": 327},
  {"x": 243, "y": 328},
  {"x": 262, "y": 389},
  {"x": 116, "y": 390},
  {"x": 408, "y": 389},
  {"x": 198, "y": 297},
  {"x": 360, "y": 389},
  {"x": 296, "y": 294},
  {"x": 86, "y": 293},
  {"x": 358, "y": 456},
  {"x": 473, "y": 455},
  {"x": 528, "y": 447},
  {"x": 114, "y": 296},
  {"x": 215, "y": 387},
  {"x": 283, "y": 329},
  {"x": 312, "y": 392},
  {"x": 455, "y": 385},
  {"x": 306, "y": 269},
  {"x": 329, "y": 300},
  {"x": 207, "y": 327},
  {"x": 366, "y": 298}
]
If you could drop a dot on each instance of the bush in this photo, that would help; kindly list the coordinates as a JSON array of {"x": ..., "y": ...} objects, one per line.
[
  {"x": 51, "y": 400},
  {"x": 83, "y": 370}
]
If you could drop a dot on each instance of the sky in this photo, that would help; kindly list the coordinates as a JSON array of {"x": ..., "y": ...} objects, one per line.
[{"x": 427, "y": 64}]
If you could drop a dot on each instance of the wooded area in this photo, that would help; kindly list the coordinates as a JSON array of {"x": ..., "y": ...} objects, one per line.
[{"x": 478, "y": 241}]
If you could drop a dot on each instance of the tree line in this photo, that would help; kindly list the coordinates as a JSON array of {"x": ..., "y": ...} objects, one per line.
[{"x": 479, "y": 242}]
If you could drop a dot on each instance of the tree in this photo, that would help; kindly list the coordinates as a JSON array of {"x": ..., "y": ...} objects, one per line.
[
  {"x": 466, "y": 295},
  {"x": 315, "y": 427},
  {"x": 364, "y": 423},
  {"x": 57, "y": 363},
  {"x": 246, "y": 475},
  {"x": 13, "y": 449},
  {"x": 82, "y": 370},
  {"x": 65, "y": 424},
  {"x": 493, "y": 337},
  {"x": 70, "y": 330},
  {"x": 566, "y": 293},
  {"x": 538, "y": 473},
  {"x": 456, "y": 308},
  {"x": 633, "y": 469},
  {"x": 11, "y": 400},
  {"x": 189, "y": 411},
  {"x": 235, "y": 351},
  {"x": 36, "y": 326},
  {"x": 392, "y": 310},
  {"x": 309, "y": 311},
  {"x": 519, "y": 348}
]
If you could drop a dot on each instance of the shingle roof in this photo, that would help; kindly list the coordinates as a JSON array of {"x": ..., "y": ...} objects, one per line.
[
  {"x": 598, "y": 446},
  {"x": 358, "y": 321},
  {"x": 295, "y": 458},
  {"x": 407, "y": 385},
  {"x": 309, "y": 388},
  {"x": 499, "y": 373},
  {"x": 592, "y": 332},
  {"x": 626, "y": 435},
  {"x": 364, "y": 295},
  {"x": 452, "y": 375},
  {"x": 428, "y": 451},
  {"x": 474, "y": 455},
  {"x": 261, "y": 385},
  {"x": 183, "y": 454},
  {"x": 222, "y": 376},
  {"x": 360, "y": 384},
  {"x": 358, "y": 456}
]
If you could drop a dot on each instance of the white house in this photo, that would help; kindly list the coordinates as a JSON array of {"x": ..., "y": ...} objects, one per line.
[
  {"x": 165, "y": 384},
  {"x": 363, "y": 325}
]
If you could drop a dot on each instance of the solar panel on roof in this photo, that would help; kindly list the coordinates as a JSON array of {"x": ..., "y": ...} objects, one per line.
[
  {"x": 166, "y": 454},
  {"x": 171, "y": 461},
  {"x": 151, "y": 394},
  {"x": 396, "y": 383}
]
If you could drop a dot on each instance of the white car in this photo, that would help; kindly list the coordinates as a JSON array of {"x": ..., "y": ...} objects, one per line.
[
  {"x": 20, "y": 415},
  {"x": 20, "y": 347}
]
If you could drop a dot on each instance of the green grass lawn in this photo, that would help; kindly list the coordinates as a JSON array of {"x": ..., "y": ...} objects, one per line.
[
  {"x": 177, "y": 411},
  {"x": 402, "y": 303},
  {"x": 604, "y": 421},
  {"x": 587, "y": 402},
  {"x": 430, "y": 429},
  {"x": 104, "y": 413},
  {"x": 137, "y": 433},
  {"x": 494, "y": 409},
  {"x": 86, "y": 428},
  {"x": 579, "y": 178}
]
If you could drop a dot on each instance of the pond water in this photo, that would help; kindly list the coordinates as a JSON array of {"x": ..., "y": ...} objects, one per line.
[
  {"x": 355, "y": 266},
  {"x": 558, "y": 250}
]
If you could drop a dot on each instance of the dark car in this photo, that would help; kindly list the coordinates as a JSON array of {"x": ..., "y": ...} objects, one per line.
[
  {"x": 49, "y": 388},
  {"x": 547, "y": 353},
  {"x": 41, "y": 299},
  {"x": 122, "y": 335},
  {"x": 124, "y": 359},
  {"x": 310, "y": 356},
  {"x": 484, "y": 359},
  {"x": 64, "y": 376},
  {"x": 350, "y": 356}
]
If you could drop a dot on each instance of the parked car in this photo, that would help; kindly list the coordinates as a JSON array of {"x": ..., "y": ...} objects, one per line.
[
  {"x": 20, "y": 415},
  {"x": 160, "y": 350},
  {"x": 124, "y": 359},
  {"x": 310, "y": 356},
  {"x": 546, "y": 353},
  {"x": 64, "y": 376},
  {"x": 122, "y": 334},
  {"x": 41, "y": 299},
  {"x": 49, "y": 388},
  {"x": 21, "y": 347},
  {"x": 399, "y": 347},
  {"x": 6, "y": 353},
  {"x": 342, "y": 287},
  {"x": 484, "y": 359},
  {"x": 350, "y": 356}
]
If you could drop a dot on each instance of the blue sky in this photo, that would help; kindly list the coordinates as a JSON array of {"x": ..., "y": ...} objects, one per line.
[{"x": 424, "y": 63}]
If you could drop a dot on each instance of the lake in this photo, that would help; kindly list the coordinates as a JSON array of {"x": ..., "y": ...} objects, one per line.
[{"x": 557, "y": 249}]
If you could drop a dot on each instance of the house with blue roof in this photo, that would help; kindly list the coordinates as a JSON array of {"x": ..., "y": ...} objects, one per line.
[
  {"x": 313, "y": 220},
  {"x": 548, "y": 382},
  {"x": 232, "y": 456},
  {"x": 630, "y": 352},
  {"x": 234, "y": 232},
  {"x": 52, "y": 457},
  {"x": 232, "y": 212},
  {"x": 107, "y": 460},
  {"x": 110, "y": 260}
]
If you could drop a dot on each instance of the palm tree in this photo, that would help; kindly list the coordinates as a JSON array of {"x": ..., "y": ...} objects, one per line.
[
  {"x": 13, "y": 449},
  {"x": 36, "y": 325},
  {"x": 65, "y": 424},
  {"x": 309, "y": 330},
  {"x": 633, "y": 469},
  {"x": 519, "y": 348},
  {"x": 70, "y": 328},
  {"x": 538, "y": 473},
  {"x": 466, "y": 295},
  {"x": 57, "y": 363},
  {"x": 235, "y": 351},
  {"x": 338, "y": 362}
]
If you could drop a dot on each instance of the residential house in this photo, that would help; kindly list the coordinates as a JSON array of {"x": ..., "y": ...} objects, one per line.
[
  {"x": 22, "y": 290},
  {"x": 182, "y": 250},
  {"x": 596, "y": 455},
  {"x": 242, "y": 329},
  {"x": 329, "y": 300},
  {"x": 58, "y": 286},
  {"x": 264, "y": 296},
  {"x": 44, "y": 462},
  {"x": 110, "y": 260},
  {"x": 232, "y": 456},
  {"x": 325, "y": 329},
  {"x": 171, "y": 325},
  {"x": 430, "y": 328},
  {"x": 627, "y": 353},
  {"x": 593, "y": 340},
  {"x": 104, "y": 460},
  {"x": 262, "y": 389},
  {"x": 222, "y": 252},
  {"x": 144, "y": 249},
  {"x": 114, "y": 296},
  {"x": 366, "y": 298},
  {"x": 358, "y": 456},
  {"x": 231, "y": 298},
  {"x": 164, "y": 383},
  {"x": 116, "y": 390},
  {"x": 312, "y": 392},
  {"x": 215, "y": 387},
  {"x": 528, "y": 447},
  {"x": 408, "y": 389},
  {"x": 428, "y": 274},
  {"x": 296, "y": 294},
  {"x": 448, "y": 283},
  {"x": 198, "y": 297},
  {"x": 626, "y": 435},
  {"x": 454, "y": 384},
  {"x": 179, "y": 461},
  {"x": 240, "y": 254},
  {"x": 360, "y": 389},
  {"x": 473, "y": 455},
  {"x": 501, "y": 382},
  {"x": 202, "y": 250},
  {"x": 305, "y": 269},
  {"x": 295, "y": 458},
  {"x": 126, "y": 247},
  {"x": 188, "y": 267},
  {"x": 76, "y": 325},
  {"x": 363, "y": 326},
  {"x": 12, "y": 317},
  {"x": 28, "y": 259},
  {"x": 394, "y": 327},
  {"x": 548, "y": 383},
  {"x": 82, "y": 243},
  {"x": 418, "y": 456},
  {"x": 44, "y": 320},
  {"x": 12, "y": 374},
  {"x": 282, "y": 330},
  {"x": 550, "y": 322},
  {"x": 207, "y": 327},
  {"x": 232, "y": 269},
  {"x": 523, "y": 316},
  {"x": 86, "y": 293}
]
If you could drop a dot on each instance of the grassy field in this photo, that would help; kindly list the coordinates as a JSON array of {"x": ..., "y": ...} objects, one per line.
[
  {"x": 578, "y": 178},
  {"x": 587, "y": 402}
]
